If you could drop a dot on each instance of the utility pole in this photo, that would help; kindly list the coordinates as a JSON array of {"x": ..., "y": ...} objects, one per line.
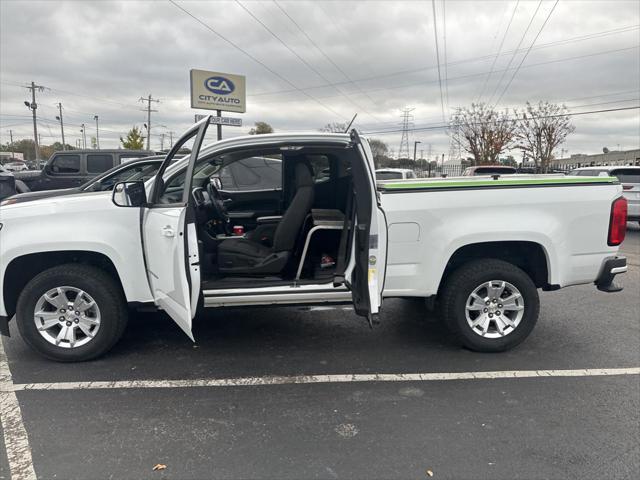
[
  {"x": 84, "y": 136},
  {"x": 11, "y": 138},
  {"x": 64, "y": 147},
  {"x": 33, "y": 107},
  {"x": 95, "y": 117},
  {"x": 149, "y": 99},
  {"x": 415, "y": 145},
  {"x": 162, "y": 141},
  {"x": 170, "y": 139}
]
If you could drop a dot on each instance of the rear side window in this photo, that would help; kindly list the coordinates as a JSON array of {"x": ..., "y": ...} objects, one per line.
[
  {"x": 627, "y": 175},
  {"x": 591, "y": 173},
  {"x": 66, "y": 164},
  {"x": 388, "y": 175},
  {"x": 98, "y": 163},
  {"x": 321, "y": 168},
  {"x": 494, "y": 170}
]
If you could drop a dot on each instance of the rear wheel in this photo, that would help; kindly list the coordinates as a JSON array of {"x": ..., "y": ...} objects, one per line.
[
  {"x": 490, "y": 305},
  {"x": 71, "y": 313}
]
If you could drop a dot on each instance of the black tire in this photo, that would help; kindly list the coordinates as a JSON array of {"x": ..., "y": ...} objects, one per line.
[
  {"x": 96, "y": 283},
  {"x": 463, "y": 281}
]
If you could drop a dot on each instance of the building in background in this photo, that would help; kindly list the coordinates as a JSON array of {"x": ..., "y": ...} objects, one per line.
[
  {"x": 622, "y": 157},
  {"x": 6, "y": 157}
]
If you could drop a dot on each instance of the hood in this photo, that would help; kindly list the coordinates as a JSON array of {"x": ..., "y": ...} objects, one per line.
[
  {"x": 43, "y": 207},
  {"x": 30, "y": 196}
]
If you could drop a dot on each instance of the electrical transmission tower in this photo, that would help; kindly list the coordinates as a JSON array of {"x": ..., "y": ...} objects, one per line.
[
  {"x": 455, "y": 151},
  {"x": 407, "y": 122}
]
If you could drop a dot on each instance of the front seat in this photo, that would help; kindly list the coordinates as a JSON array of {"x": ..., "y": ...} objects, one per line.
[{"x": 244, "y": 256}]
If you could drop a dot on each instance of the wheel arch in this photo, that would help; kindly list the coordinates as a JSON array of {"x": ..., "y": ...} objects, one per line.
[
  {"x": 25, "y": 267},
  {"x": 531, "y": 257}
]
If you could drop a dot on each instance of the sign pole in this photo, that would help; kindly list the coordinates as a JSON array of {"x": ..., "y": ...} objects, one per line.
[{"x": 219, "y": 114}]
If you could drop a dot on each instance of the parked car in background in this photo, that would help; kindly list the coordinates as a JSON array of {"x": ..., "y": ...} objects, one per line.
[
  {"x": 72, "y": 168},
  {"x": 16, "y": 166},
  {"x": 489, "y": 170},
  {"x": 142, "y": 169},
  {"x": 395, "y": 174},
  {"x": 629, "y": 177}
]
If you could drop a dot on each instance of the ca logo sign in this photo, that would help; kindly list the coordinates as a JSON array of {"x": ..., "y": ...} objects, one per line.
[{"x": 219, "y": 85}]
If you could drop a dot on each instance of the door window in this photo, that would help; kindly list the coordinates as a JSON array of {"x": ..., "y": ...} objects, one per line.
[
  {"x": 66, "y": 165},
  {"x": 252, "y": 173},
  {"x": 98, "y": 163}
]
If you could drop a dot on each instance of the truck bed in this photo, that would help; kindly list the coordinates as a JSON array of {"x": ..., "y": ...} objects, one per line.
[{"x": 431, "y": 219}]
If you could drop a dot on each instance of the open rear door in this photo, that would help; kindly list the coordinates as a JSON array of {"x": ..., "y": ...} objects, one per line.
[
  {"x": 169, "y": 238},
  {"x": 366, "y": 278}
]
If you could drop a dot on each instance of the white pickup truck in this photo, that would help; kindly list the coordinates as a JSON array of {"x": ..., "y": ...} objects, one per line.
[{"x": 302, "y": 222}]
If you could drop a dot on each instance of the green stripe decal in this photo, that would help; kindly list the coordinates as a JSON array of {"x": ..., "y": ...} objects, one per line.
[{"x": 495, "y": 183}]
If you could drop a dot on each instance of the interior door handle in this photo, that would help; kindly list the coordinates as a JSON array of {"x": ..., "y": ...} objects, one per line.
[{"x": 167, "y": 231}]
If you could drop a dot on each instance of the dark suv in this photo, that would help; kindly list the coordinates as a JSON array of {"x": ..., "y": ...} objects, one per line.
[{"x": 72, "y": 168}]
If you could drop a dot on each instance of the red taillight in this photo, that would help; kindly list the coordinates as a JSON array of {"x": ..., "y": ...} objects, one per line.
[
  {"x": 617, "y": 222},
  {"x": 627, "y": 187}
]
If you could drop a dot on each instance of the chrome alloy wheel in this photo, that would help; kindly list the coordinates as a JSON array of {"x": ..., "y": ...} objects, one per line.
[
  {"x": 67, "y": 317},
  {"x": 494, "y": 309}
]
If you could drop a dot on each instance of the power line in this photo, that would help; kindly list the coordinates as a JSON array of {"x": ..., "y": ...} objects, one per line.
[
  {"x": 524, "y": 57},
  {"x": 493, "y": 64},
  {"x": 569, "y": 114},
  {"x": 435, "y": 32},
  {"x": 335, "y": 65},
  {"x": 458, "y": 62},
  {"x": 472, "y": 75},
  {"x": 446, "y": 70},
  {"x": 516, "y": 50},
  {"x": 299, "y": 57},
  {"x": 259, "y": 62}
]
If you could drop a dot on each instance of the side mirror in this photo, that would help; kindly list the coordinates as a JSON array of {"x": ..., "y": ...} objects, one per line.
[
  {"x": 216, "y": 182},
  {"x": 129, "y": 194}
]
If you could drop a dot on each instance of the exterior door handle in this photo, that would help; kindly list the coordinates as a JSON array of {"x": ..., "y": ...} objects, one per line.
[{"x": 167, "y": 231}]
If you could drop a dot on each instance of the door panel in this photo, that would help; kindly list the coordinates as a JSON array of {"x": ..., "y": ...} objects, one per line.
[
  {"x": 244, "y": 207},
  {"x": 370, "y": 242},
  {"x": 170, "y": 240},
  {"x": 165, "y": 251}
]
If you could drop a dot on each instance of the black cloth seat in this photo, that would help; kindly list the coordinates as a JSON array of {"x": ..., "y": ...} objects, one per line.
[{"x": 246, "y": 256}]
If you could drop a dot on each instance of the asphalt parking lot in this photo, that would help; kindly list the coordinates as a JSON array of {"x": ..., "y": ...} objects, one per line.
[{"x": 586, "y": 426}]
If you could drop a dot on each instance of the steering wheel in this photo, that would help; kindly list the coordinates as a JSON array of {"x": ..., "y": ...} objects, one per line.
[{"x": 217, "y": 202}]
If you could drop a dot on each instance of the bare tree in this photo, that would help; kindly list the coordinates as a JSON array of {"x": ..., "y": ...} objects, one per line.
[
  {"x": 261, "y": 128},
  {"x": 541, "y": 129},
  {"x": 483, "y": 132},
  {"x": 334, "y": 127}
]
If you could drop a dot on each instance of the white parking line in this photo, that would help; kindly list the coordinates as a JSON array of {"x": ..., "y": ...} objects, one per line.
[
  {"x": 309, "y": 379},
  {"x": 16, "y": 441}
]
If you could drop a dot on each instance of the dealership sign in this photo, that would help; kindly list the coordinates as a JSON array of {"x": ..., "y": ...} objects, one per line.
[
  {"x": 229, "y": 121},
  {"x": 218, "y": 91}
]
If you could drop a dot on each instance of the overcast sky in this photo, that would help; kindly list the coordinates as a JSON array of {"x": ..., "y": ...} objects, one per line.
[{"x": 373, "y": 58}]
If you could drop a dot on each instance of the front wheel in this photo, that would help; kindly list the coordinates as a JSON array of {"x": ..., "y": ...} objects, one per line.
[
  {"x": 490, "y": 305},
  {"x": 71, "y": 313}
]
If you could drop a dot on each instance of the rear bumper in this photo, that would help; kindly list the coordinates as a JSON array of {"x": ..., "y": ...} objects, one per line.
[{"x": 612, "y": 266}]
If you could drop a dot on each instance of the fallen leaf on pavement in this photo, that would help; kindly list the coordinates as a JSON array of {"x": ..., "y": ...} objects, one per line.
[
  {"x": 159, "y": 466},
  {"x": 429, "y": 473}
]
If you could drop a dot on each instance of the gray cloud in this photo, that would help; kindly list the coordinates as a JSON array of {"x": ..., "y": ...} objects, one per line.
[{"x": 100, "y": 57}]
